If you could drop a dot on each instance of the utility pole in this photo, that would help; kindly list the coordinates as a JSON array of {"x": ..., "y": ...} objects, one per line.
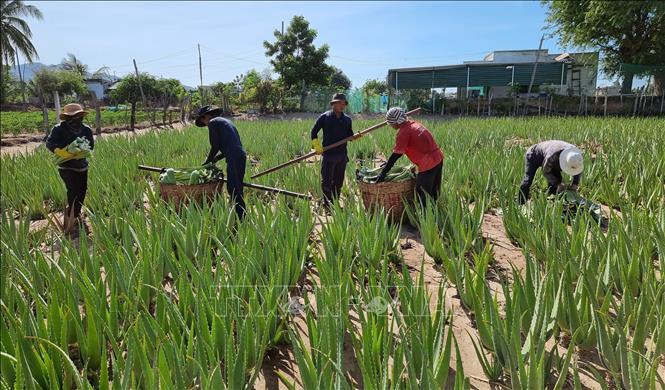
[
  {"x": 201, "y": 76},
  {"x": 136, "y": 69},
  {"x": 282, "y": 28},
  {"x": 535, "y": 65},
  {"x": 533, "y": 73}
]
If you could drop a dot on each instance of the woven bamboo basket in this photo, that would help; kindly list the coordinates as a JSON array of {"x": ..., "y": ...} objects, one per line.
[
  {"x": 392, "y": 196},
  {"x": 183, "y": 194}
]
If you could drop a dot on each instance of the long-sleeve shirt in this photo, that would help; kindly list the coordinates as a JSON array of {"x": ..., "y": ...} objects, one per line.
[
  {"x": 334, "y": 129},
  {"x": 546, "y": 154},
  {"x": 417, "y": 142},
  {"x": 224, "y": 140},
  {"x": 61, "y": 136}
]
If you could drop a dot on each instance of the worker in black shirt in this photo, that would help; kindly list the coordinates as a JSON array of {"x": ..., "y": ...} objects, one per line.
[
  {"x": 225, "y": 143},
  {"x": 336, "y": 126},
  {"x": 74, "y": 171}
]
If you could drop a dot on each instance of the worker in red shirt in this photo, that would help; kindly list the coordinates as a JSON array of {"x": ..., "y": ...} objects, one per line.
[{"x": 416, "y": 141}]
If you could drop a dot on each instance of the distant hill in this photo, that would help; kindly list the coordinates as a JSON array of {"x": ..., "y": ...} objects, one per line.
[{"x": 29, "y": 70}]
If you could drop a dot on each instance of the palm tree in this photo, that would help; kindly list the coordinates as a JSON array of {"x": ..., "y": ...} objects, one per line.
[
  {"x": 72, "y": 63},
  {"x": 16, "y": 34}
]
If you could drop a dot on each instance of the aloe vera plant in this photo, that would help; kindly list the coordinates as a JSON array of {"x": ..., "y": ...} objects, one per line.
[{"x": 155, "y": 298}]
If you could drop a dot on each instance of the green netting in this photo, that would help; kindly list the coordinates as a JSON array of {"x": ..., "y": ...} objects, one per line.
[{"x": 318, "y": 101}]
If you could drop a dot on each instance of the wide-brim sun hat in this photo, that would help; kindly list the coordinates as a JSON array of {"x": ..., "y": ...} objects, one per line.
[
  {"x": 206, "y": 110},
  {"x": 571, "y": 161},
  {"x": 71, "y": 110},
  {"x": 339, "y": 97}
]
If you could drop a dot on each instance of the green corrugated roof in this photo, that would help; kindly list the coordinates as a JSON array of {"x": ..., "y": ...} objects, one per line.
[{"x": 479, "y": 74}]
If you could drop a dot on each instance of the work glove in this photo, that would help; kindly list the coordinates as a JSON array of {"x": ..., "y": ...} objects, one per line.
[
  {"x": 63, "y": 153},
  {"x": 560, "y": 188},
  {"x": 316, "y": 145},
  {"x": 574, "y": 188},
  {"x": 382, "y": 177}
]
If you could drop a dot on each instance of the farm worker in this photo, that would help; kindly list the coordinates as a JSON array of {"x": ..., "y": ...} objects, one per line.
[
  {"x": 74, "y": 171},
  {"x": 225, "y": 143},
  {"x": 336, "y": 126},
  {"x": 554, "y": 157},
  {"x": 417, "y": 142}
]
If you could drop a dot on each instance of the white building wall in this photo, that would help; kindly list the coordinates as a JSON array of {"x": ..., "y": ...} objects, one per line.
[
  {"x": 97, "y": 88},
  {"x": 515, "y": 57}
]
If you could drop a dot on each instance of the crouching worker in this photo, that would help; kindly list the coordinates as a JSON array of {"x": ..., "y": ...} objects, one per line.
[
  {"x": 554, "y": 157},
  {"x": 417, "y": 142},
  {"x": 73, "y": 167},
  {"x": 225, "y": 143}
]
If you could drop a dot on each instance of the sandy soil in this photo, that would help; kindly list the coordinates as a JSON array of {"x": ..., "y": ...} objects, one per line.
[{"x": 280, "y": 362}]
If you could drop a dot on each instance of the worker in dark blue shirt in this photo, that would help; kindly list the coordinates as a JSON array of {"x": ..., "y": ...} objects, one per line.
[
  {"x": 225, "y": 143},
  {"x": 74, "y": 169},
  {"x": 336, "y": 126}
]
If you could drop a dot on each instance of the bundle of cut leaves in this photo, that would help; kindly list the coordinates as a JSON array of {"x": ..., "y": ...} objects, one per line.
[
  {"x": 79, "y": 148},
  {"x": 574, "y": 203},
  {"x": 397, "y": 174},
  {"x": 188, "y": 176}
]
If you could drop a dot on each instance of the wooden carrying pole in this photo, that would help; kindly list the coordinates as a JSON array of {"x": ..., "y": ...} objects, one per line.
[
  {"x": 331, "y": 146},
  {"x": 248, "y": 185}
]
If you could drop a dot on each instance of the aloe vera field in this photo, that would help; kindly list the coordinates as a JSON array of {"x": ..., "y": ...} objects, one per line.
[{"x": 470, "y": 291}]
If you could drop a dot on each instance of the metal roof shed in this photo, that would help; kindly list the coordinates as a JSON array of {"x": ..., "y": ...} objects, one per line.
[{"x": 490, "y": 75}]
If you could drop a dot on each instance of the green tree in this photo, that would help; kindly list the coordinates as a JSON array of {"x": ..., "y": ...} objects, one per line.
[
  {"x": 47, "y": 82},
  {"x": 128, "y": 90},
  {"x": 372, "y": 88},
  {"x": 168, "y": 92},
  {"x": 630, "y": 32},
  {"x": 338, "y": 80},
  {"x": 226, "y": 94},
  {"x": 64, "y": 82},
  {"x": 296, "y": 59},
  {"x": 16, "y": 35},
  {"x": 375, "y": 87},
  {"x": 10, "y": 88}
]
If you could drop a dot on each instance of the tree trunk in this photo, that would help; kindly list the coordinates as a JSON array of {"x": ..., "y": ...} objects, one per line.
[
  {"x": 165, "y": 108},
  {"x": 42, "y": 100},
  {"x": 627, "y": 83},
  {"x": 132, "y": 116},
  {"x": 56, "y": 99},
  {"x": 303, "y": 95},
  {"x": 659, "y": 83},
  {"x": 98, "y": 114}
]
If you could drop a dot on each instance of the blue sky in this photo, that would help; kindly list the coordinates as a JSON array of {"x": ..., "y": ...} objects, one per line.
[{"x": 365, "y": 38}]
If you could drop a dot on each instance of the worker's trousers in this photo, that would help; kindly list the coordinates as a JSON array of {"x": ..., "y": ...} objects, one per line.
[
  {"x": 235, "y": 173},
  {"x": 77, "y": 186},
  {"x": 428, "y": 183},
  {"x": 530, "y": 167},
  {"x": 333, "y": 168}
]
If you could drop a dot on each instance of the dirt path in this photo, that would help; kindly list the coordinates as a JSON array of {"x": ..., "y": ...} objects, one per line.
[
  {"x": 28, "y": 147},
  {"x": 463, "y": 329},
  {"x": 506, "y": 254}
]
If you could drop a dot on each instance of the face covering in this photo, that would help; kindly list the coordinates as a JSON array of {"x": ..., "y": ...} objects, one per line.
[{"x": 75, "y": 123}]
